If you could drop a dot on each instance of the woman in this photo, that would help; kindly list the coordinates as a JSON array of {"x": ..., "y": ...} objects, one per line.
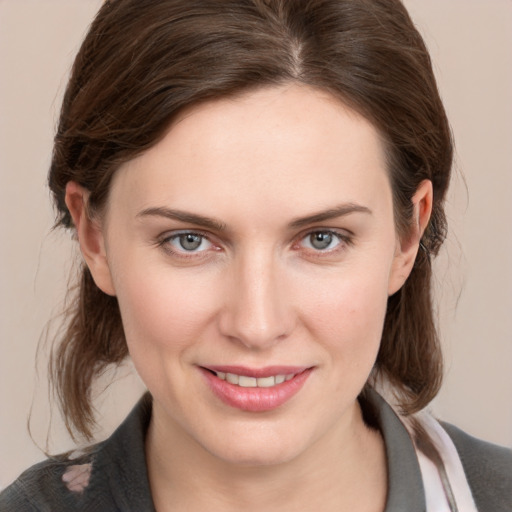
[{"x": 257, "y": 188}]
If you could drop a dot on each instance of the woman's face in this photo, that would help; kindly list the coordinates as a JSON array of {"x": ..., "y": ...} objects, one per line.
[{"x": 255, "y": 243}]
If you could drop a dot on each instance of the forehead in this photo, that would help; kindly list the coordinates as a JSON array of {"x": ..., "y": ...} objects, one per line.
[{"x": 289, "y": 145}]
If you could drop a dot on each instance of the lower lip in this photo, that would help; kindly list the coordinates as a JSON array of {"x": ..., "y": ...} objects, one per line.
[{"x": 256, "y": 399}]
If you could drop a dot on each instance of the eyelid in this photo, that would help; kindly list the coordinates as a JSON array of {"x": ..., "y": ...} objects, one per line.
[
  {"x": 164, "y": 242},
  {"x": 345, "y": 237}
]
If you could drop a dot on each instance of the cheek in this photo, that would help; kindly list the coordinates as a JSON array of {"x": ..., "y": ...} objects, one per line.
[
  {"x": 348, "y": 315},
  {"x": 163, "y": 309},
  {"x": 164, "y": 316},
  {"x": 349, "y": 326}
]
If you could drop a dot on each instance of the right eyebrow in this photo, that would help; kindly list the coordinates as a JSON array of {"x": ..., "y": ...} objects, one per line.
[{"x": 182, "y": 216}]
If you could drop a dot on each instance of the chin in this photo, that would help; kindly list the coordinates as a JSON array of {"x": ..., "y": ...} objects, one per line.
[
  {"x": 257, "y": 447},
  {"x": 257, "y": 457}
]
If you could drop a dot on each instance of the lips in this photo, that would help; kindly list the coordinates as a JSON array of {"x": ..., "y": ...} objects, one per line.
[{"x": 255, "y": 390}]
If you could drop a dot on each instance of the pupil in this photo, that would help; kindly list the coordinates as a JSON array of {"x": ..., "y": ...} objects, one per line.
[
  {"x": 321, "y": 240},
  {"x": 190, "y": 241}
]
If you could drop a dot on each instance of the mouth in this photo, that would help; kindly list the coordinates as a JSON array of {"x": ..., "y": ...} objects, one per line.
[
  {"x": 255, "y": 390},
  {"x": 245, "y": 381}
]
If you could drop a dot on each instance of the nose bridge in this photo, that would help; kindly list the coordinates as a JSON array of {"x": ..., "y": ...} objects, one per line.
[{"x": 257, "y": 312}]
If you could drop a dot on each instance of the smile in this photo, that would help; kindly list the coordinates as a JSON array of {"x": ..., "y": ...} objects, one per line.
[
  {"x": 255, "y": 390},
  {"x": 245, "y": 381}
]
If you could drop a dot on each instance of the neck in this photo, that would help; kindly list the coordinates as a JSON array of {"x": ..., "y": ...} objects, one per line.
[{"x": 344, "y": 470}]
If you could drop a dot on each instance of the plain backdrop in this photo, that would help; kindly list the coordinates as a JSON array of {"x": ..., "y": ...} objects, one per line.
[{"x": 471, "y": 46}]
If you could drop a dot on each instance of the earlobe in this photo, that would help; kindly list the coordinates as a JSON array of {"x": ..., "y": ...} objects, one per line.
[
  {"x": 90, "y": 236},
  {"x": 407, "y": 248}
]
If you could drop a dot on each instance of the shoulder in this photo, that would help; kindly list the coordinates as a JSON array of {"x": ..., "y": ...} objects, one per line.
[
  {"x": 55, "y": 484},
  {"x": 109, "y": 476},
  {"x": 488, "y": 469}
]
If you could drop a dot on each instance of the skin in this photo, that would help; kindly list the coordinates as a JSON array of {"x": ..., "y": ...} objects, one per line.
[{"x": 256, "y": 292}]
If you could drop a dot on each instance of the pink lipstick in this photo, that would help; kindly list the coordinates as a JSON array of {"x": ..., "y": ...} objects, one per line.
[{"x": 255, "y": 389}]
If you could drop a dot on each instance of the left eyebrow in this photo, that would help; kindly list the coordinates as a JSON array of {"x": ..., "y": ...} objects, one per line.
[{"x": 331, "y": 213}]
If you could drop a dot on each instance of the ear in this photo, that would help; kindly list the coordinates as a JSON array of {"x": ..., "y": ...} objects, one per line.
[
  {"x": 90, "y": 236},
  {"x": 407, "y": 249}
]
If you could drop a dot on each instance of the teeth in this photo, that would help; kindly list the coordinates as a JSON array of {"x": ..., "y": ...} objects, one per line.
[
  {"x": 252, "y": 382},
  {"x": 266, "y": 382},
  {"x": 232, "y": 378},
  {"x": 247, "y": 382}
]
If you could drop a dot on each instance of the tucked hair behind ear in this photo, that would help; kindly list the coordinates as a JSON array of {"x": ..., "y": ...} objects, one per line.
[{"x": 144, "y": 61}]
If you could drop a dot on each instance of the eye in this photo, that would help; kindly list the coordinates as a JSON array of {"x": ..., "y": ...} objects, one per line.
[
  {"x": 324, "y": 240},
  {"x": 188, "y": 242}
]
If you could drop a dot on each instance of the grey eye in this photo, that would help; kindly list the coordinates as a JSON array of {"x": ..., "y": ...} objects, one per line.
[
  {"x": 187, "y": 243},
  {"x": 321, "y": 240},
  {"x": 190, "y": 241}
]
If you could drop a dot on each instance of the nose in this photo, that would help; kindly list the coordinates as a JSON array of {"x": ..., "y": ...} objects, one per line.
[{"x": 257, "y": 311}]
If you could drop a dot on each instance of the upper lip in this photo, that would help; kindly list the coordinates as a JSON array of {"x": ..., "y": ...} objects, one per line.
[{"x": 267, "y": 371}]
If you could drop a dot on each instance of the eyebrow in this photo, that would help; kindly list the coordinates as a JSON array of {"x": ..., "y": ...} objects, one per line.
[
  {"x": 213, "y": 224},
  {"x": 191, "y": 218},
  {"x": 331, "y": 213}
]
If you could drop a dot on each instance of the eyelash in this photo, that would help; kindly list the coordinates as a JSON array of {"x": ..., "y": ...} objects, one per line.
[
  {"x": 344, "y": 240},
  {"x": 165, "y": 243}
]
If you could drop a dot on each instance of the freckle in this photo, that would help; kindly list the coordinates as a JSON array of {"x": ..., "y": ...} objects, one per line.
[{"x": 77, "y": 477}]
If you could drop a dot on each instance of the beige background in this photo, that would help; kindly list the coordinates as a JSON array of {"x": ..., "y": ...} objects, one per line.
[{"x": 470, "y": 41}]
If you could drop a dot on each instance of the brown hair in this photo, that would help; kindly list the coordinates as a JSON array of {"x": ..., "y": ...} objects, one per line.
[{"x": 143, "y": 61}]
